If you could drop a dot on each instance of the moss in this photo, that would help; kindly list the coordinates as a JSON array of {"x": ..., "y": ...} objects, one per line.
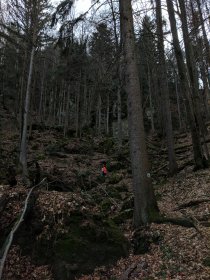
[
  {"x": 119, "y": 191},
  {"x": 114, "y": 178},
  {"x": 121, "y": 217},
  {"x": 107, "y": 145},
  {"x": 206, "y": 261},
  {"x": 167, "y": 252},
  {"x": 106, "y": 204},
  {"x": 158, "y": 196},
  {"x": 70, "y": 248},
  {"x": 91, "y": 242},
  {"x": 153, "y": 214},
  {"x": 76, "y": 217},
  {"x": 116, "y": 166},
  {"x": 56, "y": 147},
  {"x": 40, "y": 157},
  {"x": 35, "y": 147},
  {"x": 142, "y": 241},
  {"x": 114, "y": 233}
]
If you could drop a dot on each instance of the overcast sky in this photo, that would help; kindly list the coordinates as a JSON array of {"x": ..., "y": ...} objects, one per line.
[{"x": 80, "y": 5}]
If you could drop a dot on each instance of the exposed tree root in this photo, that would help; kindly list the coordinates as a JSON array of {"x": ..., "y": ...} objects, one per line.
[
  {"x": 191, "y": 203},
  {"x": 127, "y": 273},
  {"x": 184, "y": 222}
]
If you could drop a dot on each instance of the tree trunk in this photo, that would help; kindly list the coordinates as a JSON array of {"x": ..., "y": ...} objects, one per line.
[
  {"x": 66, "y": 121},
  {"x": 42, "y": 93},
  {"x": 206, "y": 41},
  {"x": 163, "y": 83},
  {"x": 145, "y": 206},
  {"x": 107, "y": 115},
  {"x": 77, "y": 110},
  {"x": 119, "y": 117},
  {"x": 118, "y": 51},
  {"x": 197, "y": 148},
  {"x": 23, "y": 146},
  {"x": 99, "y": 114},
  {"x": 178, "y": 101},
  {"x": 150, "y": 101},
  {"x": 191, "y": 64}
]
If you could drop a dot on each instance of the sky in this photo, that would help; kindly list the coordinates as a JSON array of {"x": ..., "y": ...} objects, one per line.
[{"x": 81, "y": 6}]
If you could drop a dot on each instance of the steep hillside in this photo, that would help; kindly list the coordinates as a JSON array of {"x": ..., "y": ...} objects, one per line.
[{"x": 79, "y": 223}]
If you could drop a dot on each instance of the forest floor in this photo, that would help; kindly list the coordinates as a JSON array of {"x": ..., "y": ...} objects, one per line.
[{"x": 73, "y": 184}]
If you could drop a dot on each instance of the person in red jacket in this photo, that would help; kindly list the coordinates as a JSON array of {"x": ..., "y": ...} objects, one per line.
[{"x": 104, "y": 169}]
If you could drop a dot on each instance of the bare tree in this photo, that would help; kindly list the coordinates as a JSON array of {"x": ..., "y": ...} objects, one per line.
[
  {"x": 163, "y": 88},
  {"x": 193, "y": 73},
  {"x": 145, "y": 206},
  {"x": 197, "y": 148},
  {"x": 30, "y": 17}
]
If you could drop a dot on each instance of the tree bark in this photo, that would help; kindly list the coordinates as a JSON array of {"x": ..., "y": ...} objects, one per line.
[
  {"x": 193, "y": 75},
  {"x": 145, "y": 205},
  {"x": 23, "y": 146},
  {"x": 206, "y": 41},
  {"x": 197, "y": 148},
  {"x": 163, "y": 83}
]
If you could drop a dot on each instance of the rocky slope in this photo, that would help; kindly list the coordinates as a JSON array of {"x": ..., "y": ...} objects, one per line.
[{"x": 79, "y": 225}]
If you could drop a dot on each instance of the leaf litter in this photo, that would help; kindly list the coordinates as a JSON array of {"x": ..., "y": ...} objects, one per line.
[{"x": 180, "y": 252}]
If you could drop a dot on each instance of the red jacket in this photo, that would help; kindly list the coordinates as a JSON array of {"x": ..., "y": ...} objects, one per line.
[{"x": 104, "y": 170}]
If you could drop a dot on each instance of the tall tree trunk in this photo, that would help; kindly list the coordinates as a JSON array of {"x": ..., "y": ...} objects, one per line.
[
  {"x": 150, "y": 100},
  {"x": 118, "y": 51},
  {"x": 145, "y": 206},
  {"x": 197, "y": 148},
  {"x": 178, "y": 101},
  {"x": 107, "y": 114},
  {"x": 191, "y": 64},
  {"x": 42, "y": 93},
  {"x": 66, "y": 120},
  {"x": 23, "y": 146},
  {"x": 119, "y": 117},
  {"x": 203, "y": 52},
  {"x": 21, "y": 102},
  {"x": 99, "y": 114},
  {"x": 78, "y": 97},
  {"x": 206, "y": 41},
  {"x": 163, "y": 82}
]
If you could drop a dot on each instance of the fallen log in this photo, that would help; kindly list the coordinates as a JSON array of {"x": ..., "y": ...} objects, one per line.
[{"x": 9, "y": 239}]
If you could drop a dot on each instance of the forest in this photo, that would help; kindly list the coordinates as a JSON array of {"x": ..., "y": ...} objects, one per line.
[{"x": 104, "y": 139}]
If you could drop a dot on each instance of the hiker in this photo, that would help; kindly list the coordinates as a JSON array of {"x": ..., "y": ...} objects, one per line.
[{"x": 104, "y": 169}]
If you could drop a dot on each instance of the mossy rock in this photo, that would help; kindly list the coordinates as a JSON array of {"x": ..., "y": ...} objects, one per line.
[{"x": 91, "y": 243}]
